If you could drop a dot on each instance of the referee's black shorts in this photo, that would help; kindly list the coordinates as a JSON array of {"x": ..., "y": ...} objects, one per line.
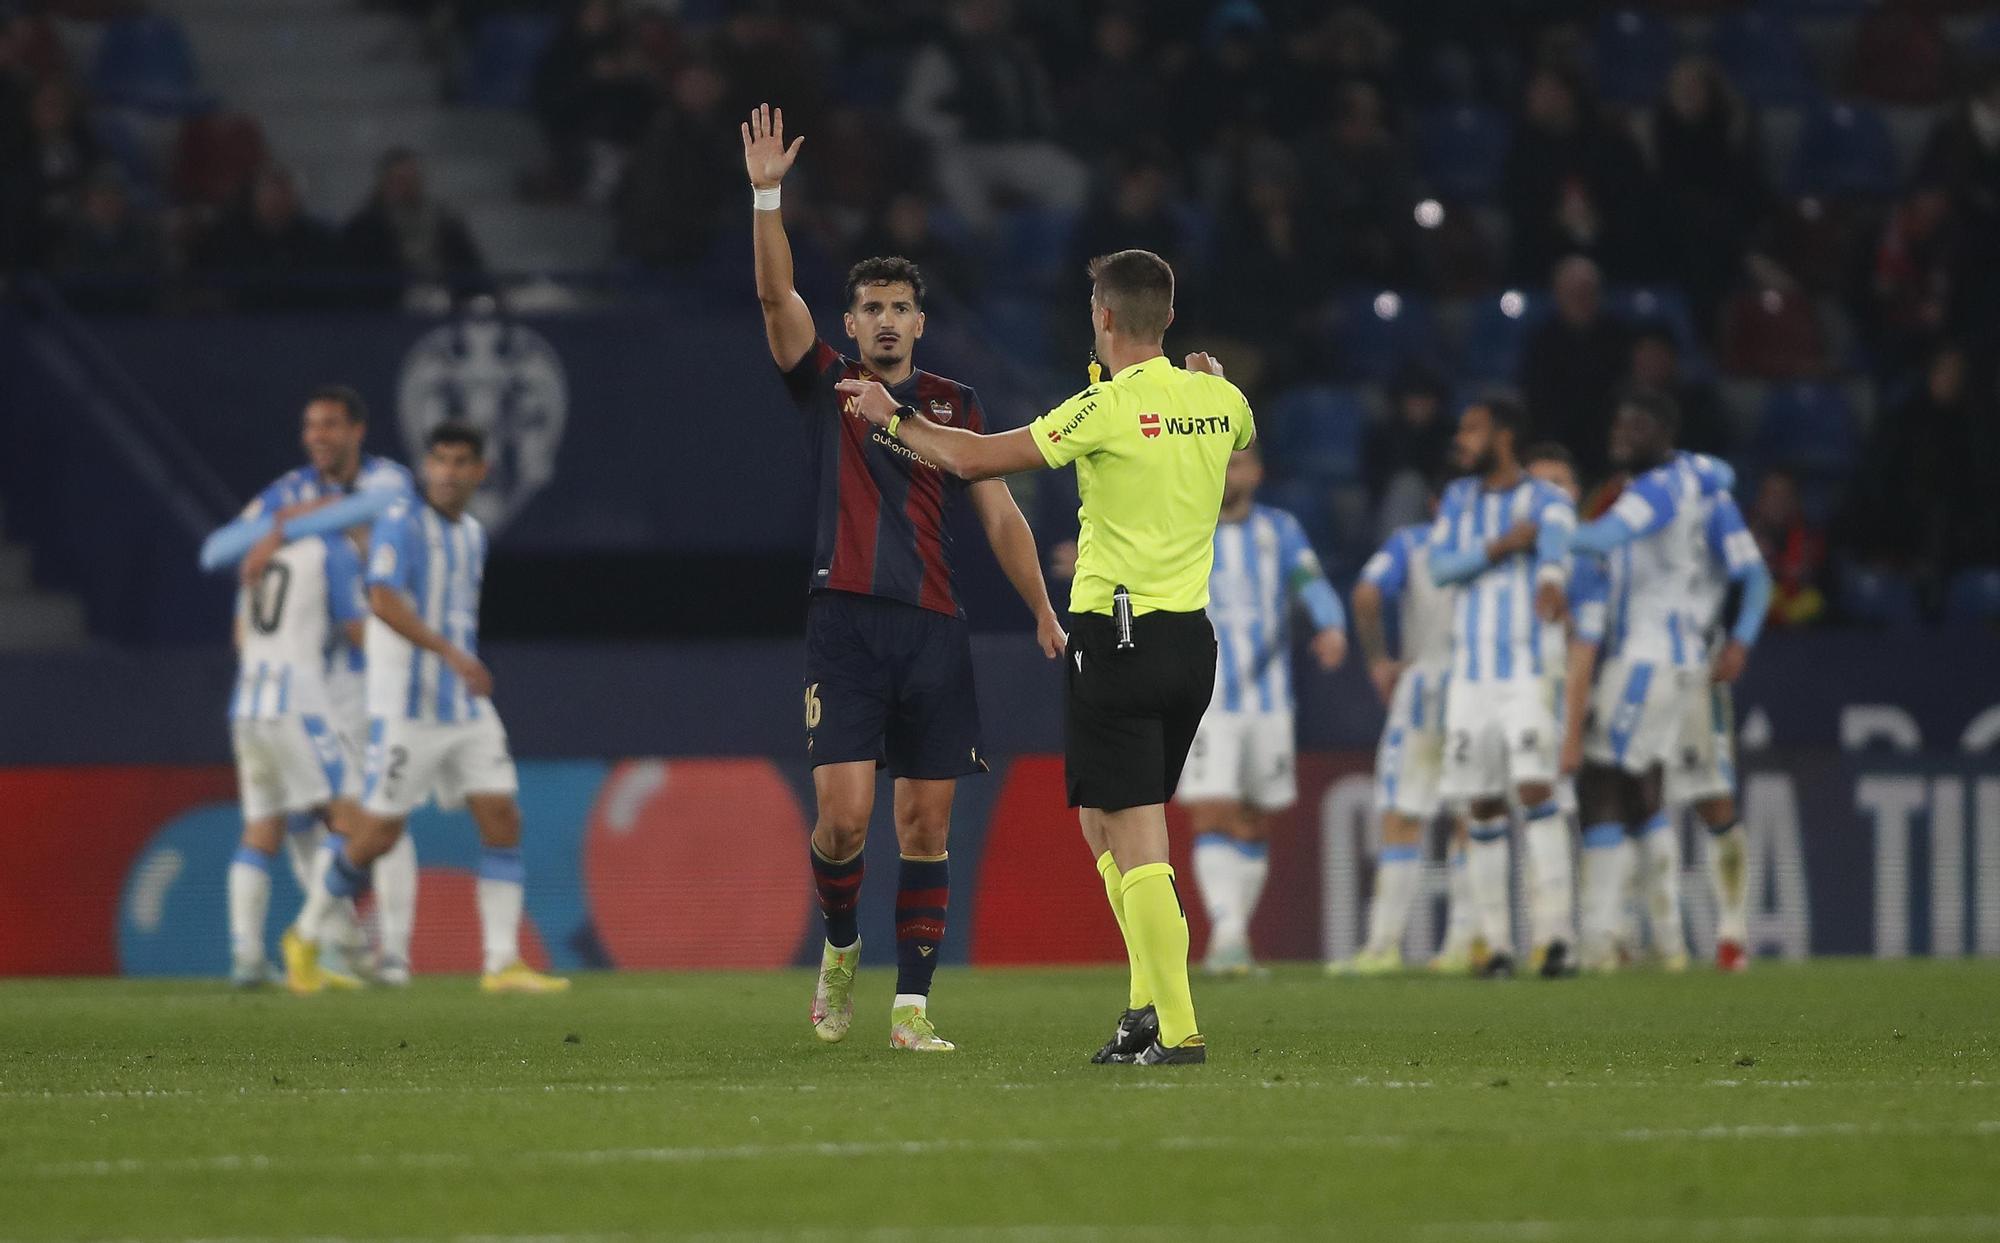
[{"x": 1132, "y": 715}]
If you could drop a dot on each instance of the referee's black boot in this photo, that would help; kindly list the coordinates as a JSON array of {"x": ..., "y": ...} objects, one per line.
[
  {"x": 1192, "y": 1053},
  {"x": 1136, "y": 1030}
]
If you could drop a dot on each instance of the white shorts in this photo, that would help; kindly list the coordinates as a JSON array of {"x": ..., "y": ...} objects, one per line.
[
  {"x": 1499, "y": 736},
  {"x": 1242, "y": 757},
  {"x": 1409, "y": 763},
  {"x": 408, "y": 761},
  {"x": 288, "y": 765},
  {"x": 1636, "y": 712},
  {"x": 1704, "y": 763}
]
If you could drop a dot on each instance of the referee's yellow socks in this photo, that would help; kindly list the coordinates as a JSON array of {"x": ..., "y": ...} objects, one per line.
[
  {"x": 1156, "y": 928},
  {"x": 1142, "y": 992}
]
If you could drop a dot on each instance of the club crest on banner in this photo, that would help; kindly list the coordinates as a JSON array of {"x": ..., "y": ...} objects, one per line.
[{"x": 506, "y": 380}]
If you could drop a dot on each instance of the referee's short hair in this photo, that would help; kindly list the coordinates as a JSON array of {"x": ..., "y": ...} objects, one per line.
[
  {"x": 346, "y": 398},
  {"x": 1138, "y": 286}
]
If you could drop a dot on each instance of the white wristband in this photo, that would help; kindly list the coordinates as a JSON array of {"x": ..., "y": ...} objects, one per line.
[{"x": 764, "y": 200}]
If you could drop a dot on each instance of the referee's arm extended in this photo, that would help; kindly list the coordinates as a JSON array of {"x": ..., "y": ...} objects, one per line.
[{"x": 969, "y": 455}]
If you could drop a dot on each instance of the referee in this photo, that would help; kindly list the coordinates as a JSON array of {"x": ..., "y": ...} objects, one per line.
[{"x": 1151, "y": 444}]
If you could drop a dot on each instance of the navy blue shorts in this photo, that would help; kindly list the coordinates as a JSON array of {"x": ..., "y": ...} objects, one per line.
[{"x": 890, "y": 683}]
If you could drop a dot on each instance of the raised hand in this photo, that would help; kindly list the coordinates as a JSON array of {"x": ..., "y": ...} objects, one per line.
[
  {"x": 1200, "y": 361},
  {"x": 765, "y": 156}
]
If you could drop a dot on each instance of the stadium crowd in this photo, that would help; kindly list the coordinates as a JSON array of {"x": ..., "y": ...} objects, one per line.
[{"x": 1785, "y": 215}]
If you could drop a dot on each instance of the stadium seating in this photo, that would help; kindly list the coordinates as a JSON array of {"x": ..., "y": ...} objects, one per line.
[
  {"x": 1879, "y": 598},
  {"x": 215, "y": 156},
  {"x": 147, "y": 63},
  {"x": 500, "y": 72},
  {"x": 1376, "y": 331},
  {"x": 1763, "y": 57},
  {"x": 1772, "y": 334},
  {"x": 1635, "y": 49},
  {"x": 1316, "y": 431},
  {"x": 1033, "y": 250},
  {"x": 1498, "y": 332},
  {"x": 1844, "y": 149},
  {"x": 1462, "y": 150},
  {"x": 1900, "y": 56},
  {"x": 116, "y": 136},
  {"x": 1809, "y": 427},
  {"x": 1974, "y": 597}
]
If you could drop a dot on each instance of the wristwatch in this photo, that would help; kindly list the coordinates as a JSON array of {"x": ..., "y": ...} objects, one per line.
[{"x": 902, "y": 412}]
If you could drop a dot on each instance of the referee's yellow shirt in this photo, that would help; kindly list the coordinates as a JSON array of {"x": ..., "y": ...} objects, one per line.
[{"x": 1151, "y": 445}]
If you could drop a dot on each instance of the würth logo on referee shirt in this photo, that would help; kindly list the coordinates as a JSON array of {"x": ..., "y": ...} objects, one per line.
[
  {"x": 1149, "y": 425},
  {"x": 1056, "y": 434}
]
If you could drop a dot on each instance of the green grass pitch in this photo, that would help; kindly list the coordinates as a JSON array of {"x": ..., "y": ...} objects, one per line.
[{"x": 1831, "y": 1101}]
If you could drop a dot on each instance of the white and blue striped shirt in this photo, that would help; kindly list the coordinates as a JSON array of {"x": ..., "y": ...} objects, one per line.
[
  {"x": 1496, "y": 635},
  {"x": 440, "y": 565},
  {"x": 1262, "y": 564},
  {"x": 284, "y": 622}
]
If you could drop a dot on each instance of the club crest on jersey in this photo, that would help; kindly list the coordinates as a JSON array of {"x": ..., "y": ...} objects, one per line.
[
  {"x": 1149, "y": 425},
  {"x": 506, "y": 380},
  {"x": 942, "y": 411}
]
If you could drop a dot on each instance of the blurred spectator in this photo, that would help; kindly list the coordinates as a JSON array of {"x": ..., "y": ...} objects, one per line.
[
  {"x": 979, "y": 95},
  {"x": 1404, "y": 453},
  {"x": 1136, "y": 210},
  {"x": 18, "y": 199},
  {"x": 1573, "y": 364},
  {"x": 403, "y": 232},
  {"x": 593, "y": 94},
  {"x": 265, "y": 253},
  {"x": 904, "y": 228},
  {"x": 1794, "y": 549},
  {"x": 109, "y": 255},
  {"x": 689, "y": 164},
  {"x": 1914, "y": 272},
  {"x": 1363, "y": 186},
  {"x": 1707, "y": 160},
  {"x": 1574, "y": 184},
  {"x": 1273, "y": 277},
  {"x": 62, "y": 152},
  {"x": 1120, "y": 96},
  {"x": 1918, "y": 477},
  {"x": 1963, "y": 153},
  {"x": 1656, "y": 365}
]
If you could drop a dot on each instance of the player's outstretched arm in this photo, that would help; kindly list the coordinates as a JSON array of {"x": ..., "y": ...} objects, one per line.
[
  {"x": 788, "y": 325},
  {"x": 1013, "y": 546},
  {"x": 1373, "y": 636},
  {"x": 968, "y": 455}
]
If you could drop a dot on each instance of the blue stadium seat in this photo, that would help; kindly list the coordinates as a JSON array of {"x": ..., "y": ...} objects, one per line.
[
  {"x": 1878, "y": 597},
  {"x": 1316, "y": 433},
  {"x": 1763, "y": 56},
  {"x": 1662, "y": 304},
  {"x": 1461, "y": 151},
  {"x": 1809, "y": 427},
  {"x": 1033, "y": 249},
  {"x": 1844, "y": 149},
  {"x": 1635, "y": 50},
  {"x": 1020, "y": 326},
  {"x": 147, "y": 62},
  {"x": 1375, "y": 332},
  {"x": 1497, "y": 334},
  {"x": 506, "y": 48},
  {"x": 1973, "y": 598},
  {"x": 119, "y": 140},
  {"x": 1305, "y": 500}
]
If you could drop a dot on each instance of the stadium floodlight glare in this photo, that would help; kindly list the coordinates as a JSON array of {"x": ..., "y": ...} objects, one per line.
[
  {"x": 1429, "y": 214},
  {"x": 1388, "y": 304},
  {"x": 1513, "y": 304}
]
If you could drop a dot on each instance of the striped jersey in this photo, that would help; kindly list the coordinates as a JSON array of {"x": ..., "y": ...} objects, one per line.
[
  {"x": 1655, "y": 609},
  {"x": 1263, "y": 565},
  {"x": 439, "y": 564},
  {"x": 305, "y": 483},
  {"x": 883, "y": 513},
  {"x": 1400, "y": 570},
  {"x": 284, "y": 622},
  {"x": 1732, "y": 552},
  {"x": 1495, "y": 633}
]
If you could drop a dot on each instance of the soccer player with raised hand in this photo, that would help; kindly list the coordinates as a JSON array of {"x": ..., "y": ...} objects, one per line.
[{"x": 888, "y": 680}]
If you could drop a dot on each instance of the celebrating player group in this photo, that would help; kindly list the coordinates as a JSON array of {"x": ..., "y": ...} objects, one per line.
[{"x": 1553, "y": 679}]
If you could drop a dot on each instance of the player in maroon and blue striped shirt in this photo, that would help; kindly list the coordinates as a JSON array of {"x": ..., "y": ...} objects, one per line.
[{"x": 888, "y": 657}]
